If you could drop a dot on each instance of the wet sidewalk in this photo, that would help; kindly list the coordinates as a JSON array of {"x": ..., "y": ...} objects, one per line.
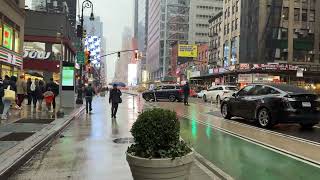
[
  {"x": 26, "y": 130},
  {"x": 86, "y": 148}
]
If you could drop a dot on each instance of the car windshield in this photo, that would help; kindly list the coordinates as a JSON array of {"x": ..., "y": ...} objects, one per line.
[
  {"x": 231, "y": 88},
  {"x": 291, "y": 89}
]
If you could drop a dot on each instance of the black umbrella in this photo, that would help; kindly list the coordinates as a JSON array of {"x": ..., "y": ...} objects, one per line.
[{"x": 121, "y": 84}]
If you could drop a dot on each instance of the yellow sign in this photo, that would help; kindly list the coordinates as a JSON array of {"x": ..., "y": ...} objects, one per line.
[{"x": 185, "y": 50}]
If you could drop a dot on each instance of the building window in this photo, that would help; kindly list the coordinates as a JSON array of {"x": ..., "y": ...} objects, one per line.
[
  {"x": 232, "y": 26},
  {"x": 285, "y": 14},
  {"x": 228, "y": 28},
  {"x": 296, "y": 14},
  {"x": 311, "y": 16},
  {"x": 304, "y": 16},
  {"x": 236, "y": 24}
]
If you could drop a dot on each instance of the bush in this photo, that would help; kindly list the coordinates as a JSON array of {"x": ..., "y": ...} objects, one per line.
[{"x": 156, "y": 135}]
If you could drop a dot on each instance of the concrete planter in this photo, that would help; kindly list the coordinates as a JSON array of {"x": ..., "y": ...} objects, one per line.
[{"x": 177, "y": 169}]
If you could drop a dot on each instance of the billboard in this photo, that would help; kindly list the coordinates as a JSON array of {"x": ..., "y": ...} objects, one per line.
[
  {"x": 67, "y": 76},
  {"x": 93, "y": 44},
  {"x": 7, "y": 36},
  {"x": 185, "y": 50}
]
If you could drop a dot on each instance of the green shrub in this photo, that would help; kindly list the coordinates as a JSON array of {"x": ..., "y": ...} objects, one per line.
[{"x": 156, "y": 135}]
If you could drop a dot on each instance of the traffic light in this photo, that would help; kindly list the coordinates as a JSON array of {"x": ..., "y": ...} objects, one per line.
[
  {"x": 119, "y": 55},
  {"x": 136, "y": 55},
  {"x": 87, "y": 57}
]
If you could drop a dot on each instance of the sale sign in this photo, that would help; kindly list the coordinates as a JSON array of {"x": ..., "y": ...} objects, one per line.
[{"x": 7, "y": 37}]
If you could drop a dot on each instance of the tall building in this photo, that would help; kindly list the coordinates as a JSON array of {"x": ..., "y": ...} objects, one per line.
[
  {"x": 215, "y": 39},
  {"x": 141, "y": 31},
  {"x": 12, "y": 26},
  {"x": 57, "y": 6},
  {"x": 168, "y": 23},
  {"x": 200, "y": 13},
  {"x": 121, "y": 72}
]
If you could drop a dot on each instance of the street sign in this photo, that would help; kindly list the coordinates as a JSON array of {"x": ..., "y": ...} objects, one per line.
[{"x": 80, "y": 57}]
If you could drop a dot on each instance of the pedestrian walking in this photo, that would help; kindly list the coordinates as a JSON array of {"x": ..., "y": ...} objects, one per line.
[
  {"x": 115, "y": 99},
  {"x": 89, "y": 93},
  {"x": 55, "y": 89},
  {"x": 40, "y": 90},
  {"x": 186, "y": 92},
  {"x": 49, "y": 97},
  {"x": 21, "y": 87},
  {"x": 33, "y": 93},
  {"x": 29, "y": 95},
  {"x": 6, "y": 99}
]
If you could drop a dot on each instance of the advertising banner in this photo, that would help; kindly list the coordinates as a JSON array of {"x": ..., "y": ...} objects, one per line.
[
  {"x": 185, "y": 50},
  {"x": 245, "y": 78},
  {"x": 7, "y": 36}
]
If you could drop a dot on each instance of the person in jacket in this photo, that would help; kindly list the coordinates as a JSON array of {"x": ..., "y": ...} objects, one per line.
[
  {"x": 29, "y": 95},
  {"x": 114, "y": 99},
  {"x": 33, "y": 93},
  {"x": 6, "y": 103},
  {"x": 55, "y": 89},
  {"x": 21, "y": 87},
  {"x": 40, "y": 90},
  {"x": 89, "y": 93},
  {"x": 186, "y": 93}
]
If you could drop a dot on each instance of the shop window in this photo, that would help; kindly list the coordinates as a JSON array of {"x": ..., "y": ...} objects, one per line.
[
  {"x": 285, "y": 13},
  {"x": 7, "y": 37},
  {"x": 34, "y": 46},
  {"x": 16, "y": 41},
  {"x": 6, "y": 70},
  {"x": 312, "y": 16},
  {"x": 56, "y": 50}
]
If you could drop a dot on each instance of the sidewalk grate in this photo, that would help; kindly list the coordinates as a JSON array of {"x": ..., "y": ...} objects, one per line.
[
  {"x": 124, "y": 140},
  {"x": 16, "y": 136},
  {"x": 36, "y": 121}
]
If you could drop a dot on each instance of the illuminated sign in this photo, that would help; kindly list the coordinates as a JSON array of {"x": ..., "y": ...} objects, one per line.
[
  {"x": 68, "y": 76},
  {"x": 185, "y": 50},
  {"x": 36, "y": 54},
  {"x": 7, "y": 37}
]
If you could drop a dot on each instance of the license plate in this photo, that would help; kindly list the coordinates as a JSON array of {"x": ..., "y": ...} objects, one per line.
[{"x": 306, "y": 104}]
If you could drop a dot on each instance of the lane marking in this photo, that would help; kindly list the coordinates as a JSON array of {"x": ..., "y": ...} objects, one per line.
[
  {"x": 265, "y": 145},
  {"x": 266, "y": 130}
]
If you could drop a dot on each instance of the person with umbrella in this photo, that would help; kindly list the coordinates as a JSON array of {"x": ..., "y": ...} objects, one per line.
[{"x": 114, "y": 99}]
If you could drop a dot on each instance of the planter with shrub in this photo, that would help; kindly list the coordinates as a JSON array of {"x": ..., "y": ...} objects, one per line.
[{"x": 158, "y": 152}]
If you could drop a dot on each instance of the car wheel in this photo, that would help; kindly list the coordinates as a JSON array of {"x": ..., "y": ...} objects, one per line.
[
  {"x": 307, "y": 126},
  {"x": 264, "y": 118},
  {"x": 204, "y": 98},
  {"x": 225, "y": 111},
  {"x": 172, "y": 98}
]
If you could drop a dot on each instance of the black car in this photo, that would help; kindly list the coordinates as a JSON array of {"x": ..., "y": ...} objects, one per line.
[
  {"x": 170, "y": 92},
  {"x": 270, "y": 104}
]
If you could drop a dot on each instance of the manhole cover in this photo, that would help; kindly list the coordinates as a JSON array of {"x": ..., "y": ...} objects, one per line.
[
  {"x": 36, "y": 121},
  {"x": 124, "y": 140},
  {"x": 16, "y": 136}
]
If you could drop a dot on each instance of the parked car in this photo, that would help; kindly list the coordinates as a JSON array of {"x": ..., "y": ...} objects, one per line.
[
  {"x": 218, "y": 93},
  {"x": 170, "y": 92},
  {"x": 270, "y": 104},
  {"x": 201, "y": 93}
]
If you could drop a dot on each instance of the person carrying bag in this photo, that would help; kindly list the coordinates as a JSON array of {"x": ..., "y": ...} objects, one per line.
[{"x": 7, "y": 99}]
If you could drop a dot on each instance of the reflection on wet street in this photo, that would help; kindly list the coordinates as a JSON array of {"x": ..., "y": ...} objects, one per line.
[{"x": 86, "y": 149}]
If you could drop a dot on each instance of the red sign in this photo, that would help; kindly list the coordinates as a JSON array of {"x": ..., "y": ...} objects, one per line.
[{"x": 244, "y": 66}]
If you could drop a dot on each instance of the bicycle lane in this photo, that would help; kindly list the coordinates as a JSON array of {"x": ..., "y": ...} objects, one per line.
[{"x": 240, "y": 158}]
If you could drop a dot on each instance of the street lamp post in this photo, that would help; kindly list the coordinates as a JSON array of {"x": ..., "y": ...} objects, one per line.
[{"x": 85, "y": 4}]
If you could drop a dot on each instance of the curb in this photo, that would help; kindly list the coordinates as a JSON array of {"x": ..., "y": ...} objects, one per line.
[
  {"x": 13, "y": 158},
  {"x": 211, "y": 167}
]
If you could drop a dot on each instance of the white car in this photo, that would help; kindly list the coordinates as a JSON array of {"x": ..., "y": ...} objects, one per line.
[
  {"x": 201, "y": 93},
  {"x": 218, "y": 93}
]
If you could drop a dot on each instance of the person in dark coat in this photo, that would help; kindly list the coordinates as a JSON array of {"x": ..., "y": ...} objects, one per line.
[
  {"x": 89, "y": 93},
  {"x": 115, "y": 99},
  {"x": 29, "y": 95},
  {"x": 186, "y": 93},
  {"x": 55, "y": 89},
  {"x": 40, "y": 90}
]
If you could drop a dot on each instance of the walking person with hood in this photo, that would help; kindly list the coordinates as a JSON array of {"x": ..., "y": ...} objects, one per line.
[
  {"x": 40, "y": 90},
  {"x": 89, "y": 93},
  {"x": 115, "y": 99},
  {"x": 186, "y": 93},
  {"x": 21, "y": 86}
]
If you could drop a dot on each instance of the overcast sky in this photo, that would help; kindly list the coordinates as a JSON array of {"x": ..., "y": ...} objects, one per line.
[{"x": 115, "y": 15}]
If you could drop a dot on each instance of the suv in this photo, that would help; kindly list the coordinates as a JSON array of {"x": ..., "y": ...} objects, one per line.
[
  {"x": 218, "y": 93},
  {"x": 171, "y": 92}
]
